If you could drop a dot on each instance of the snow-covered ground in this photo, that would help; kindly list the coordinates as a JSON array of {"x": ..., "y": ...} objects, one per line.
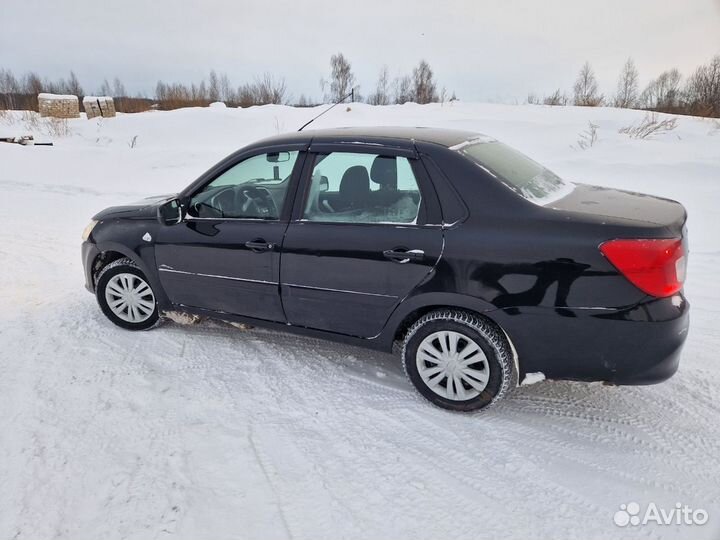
[{"x": 210, "y": 432}]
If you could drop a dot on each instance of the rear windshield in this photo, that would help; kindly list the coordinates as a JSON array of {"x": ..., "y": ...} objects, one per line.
[{"x": 517, "y": 171}]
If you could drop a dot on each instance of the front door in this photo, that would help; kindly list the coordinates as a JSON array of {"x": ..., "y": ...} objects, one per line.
[
  {"x": 360, "y": 244},
  {"x": 225, "y": 256}
]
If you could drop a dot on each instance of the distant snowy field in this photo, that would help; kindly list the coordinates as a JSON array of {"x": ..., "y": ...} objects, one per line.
[{"x": 209, "y": 432}]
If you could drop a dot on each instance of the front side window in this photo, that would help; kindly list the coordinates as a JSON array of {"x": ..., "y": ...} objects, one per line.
[
  {"x": 362, "y": 188},
  {"x": 520, "y": 173},
  {"x": 255, "y": 188}
]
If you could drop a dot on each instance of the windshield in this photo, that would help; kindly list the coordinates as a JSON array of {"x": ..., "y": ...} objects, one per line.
[{"x": 517, "y": 171}]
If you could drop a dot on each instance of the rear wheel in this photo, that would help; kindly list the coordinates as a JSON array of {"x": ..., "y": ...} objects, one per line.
[
  {"x": 125, "y": 296},
  {"x": 458, "y": 361}
]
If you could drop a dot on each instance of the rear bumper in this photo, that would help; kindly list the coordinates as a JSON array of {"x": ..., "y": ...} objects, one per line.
[
  {"x": 637, "y": 345},
  {"x": 89, "y": 253}
]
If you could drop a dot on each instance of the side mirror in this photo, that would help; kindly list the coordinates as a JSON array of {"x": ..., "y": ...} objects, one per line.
[
  {"x": 170, "y": 213},
  {"x": 323, "y": 185}
]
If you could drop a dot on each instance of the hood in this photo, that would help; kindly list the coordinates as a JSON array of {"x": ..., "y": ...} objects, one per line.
[
  {"x": 143, "y": 209},
  {"x": 618, "y": 205}
]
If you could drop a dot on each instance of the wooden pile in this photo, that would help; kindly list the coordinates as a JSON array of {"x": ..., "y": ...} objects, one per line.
[
  {"x": 95, "y": 106},
  {"x": 58, "y": 106}
]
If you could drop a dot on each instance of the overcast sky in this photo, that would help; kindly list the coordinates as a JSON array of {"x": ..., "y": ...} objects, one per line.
[{"x": 495, "y": 50}]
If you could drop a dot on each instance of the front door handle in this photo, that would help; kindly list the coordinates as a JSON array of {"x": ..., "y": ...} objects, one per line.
[
  {"x": 259, "y": 245},
  {"x": 403, "y": 256}
]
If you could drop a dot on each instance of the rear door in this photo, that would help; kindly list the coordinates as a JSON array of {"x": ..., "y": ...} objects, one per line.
[{"x": 365, "y": 232}]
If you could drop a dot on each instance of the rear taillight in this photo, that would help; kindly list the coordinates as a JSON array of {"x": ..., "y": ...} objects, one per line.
[{"x": 656, "y": 267}]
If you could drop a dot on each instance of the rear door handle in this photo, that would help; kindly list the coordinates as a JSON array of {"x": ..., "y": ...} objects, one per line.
[
  {"x": 259, "y": 245},
  {"x": 403, "y": 256}
]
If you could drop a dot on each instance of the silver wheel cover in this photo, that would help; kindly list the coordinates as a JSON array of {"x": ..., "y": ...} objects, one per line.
[
  {"x": 452, "y": 365},
  {"x": 130, "y": 298}
]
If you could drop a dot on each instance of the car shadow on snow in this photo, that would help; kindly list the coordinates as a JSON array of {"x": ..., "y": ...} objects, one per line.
[
  {"x": 372, "y": 365},
  {"x": 559, "y": 398}
]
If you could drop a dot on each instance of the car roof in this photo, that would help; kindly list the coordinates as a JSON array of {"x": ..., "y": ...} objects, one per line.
[{"x": 399, "y": 137}]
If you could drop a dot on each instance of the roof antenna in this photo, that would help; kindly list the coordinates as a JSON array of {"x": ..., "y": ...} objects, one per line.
[{"x": 350, "y": 95}]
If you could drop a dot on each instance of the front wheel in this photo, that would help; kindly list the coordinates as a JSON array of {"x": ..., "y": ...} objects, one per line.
[
  {"x": 126, "y": 297},
  {"x": 458, "y": 361}
]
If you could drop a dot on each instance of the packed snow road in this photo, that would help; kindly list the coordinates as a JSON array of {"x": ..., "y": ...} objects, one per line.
[{"x": 209, "y": 431}]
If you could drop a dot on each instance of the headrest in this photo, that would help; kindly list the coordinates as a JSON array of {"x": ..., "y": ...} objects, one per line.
[
  {"x": 384, "y": 171},
  {"x": 355, "y": 182}
]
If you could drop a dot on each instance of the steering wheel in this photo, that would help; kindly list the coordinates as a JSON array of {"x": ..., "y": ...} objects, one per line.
[{"x": 256, "y": 201}]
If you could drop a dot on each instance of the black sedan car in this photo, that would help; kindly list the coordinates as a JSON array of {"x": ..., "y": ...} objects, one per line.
[{"x": 480, "y": 265}]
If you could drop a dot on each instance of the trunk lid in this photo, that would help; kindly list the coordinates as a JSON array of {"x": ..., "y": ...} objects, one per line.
[{"x": 615, "y": 205}]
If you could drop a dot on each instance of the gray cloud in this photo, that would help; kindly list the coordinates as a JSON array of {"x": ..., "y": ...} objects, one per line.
[{"x": 496, "y": 50}]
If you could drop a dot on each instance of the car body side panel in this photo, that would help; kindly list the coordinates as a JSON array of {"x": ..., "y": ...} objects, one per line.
[
  {"x": 535, "y": 271},
  {"x": 335, "y": 277}
]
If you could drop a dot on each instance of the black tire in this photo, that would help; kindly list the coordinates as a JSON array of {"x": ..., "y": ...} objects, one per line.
[
  {"x": 498, "y": 358},
  {"x": 123, "y": 266}
]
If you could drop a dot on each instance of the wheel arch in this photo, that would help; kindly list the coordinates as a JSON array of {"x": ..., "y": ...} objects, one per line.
[
  {"x": 101, "y": 260},
  {"x": 401, "y": 320},
  {"x": 112, "y": 251}
]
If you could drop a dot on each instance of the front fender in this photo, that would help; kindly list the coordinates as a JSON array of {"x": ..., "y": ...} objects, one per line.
[{"x": 127, "y": 239}]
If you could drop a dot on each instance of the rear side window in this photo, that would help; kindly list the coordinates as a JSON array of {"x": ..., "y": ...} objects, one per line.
[
  {"x": 349, "y": 187},
  {"x": 520, "y": 173}
]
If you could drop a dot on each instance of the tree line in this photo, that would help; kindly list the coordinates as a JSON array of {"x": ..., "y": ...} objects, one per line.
[
  {"x": 419, "y": 86},
  {"x": 699, "y": 94}
]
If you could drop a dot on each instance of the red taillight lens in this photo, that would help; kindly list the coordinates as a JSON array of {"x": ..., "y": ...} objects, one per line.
[{"x": 656, "y": 267}]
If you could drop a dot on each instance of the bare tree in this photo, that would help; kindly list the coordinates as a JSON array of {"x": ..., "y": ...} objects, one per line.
[
  {"x": 9, "y": 89},
  {"x": 199, "y": 92},
  {"x": 533, "y": 99},
  {"x": 264, "y": 91},
  {"x": 403, "y": 89},
  {"x": 59, "y": 86},
  {"x": 8, "y": 82},
  {"x": 443, "y": 96},
  {"x": 118, "y": 90},
  {"x": 226, "y": 92},
  {"x": 105, "y": 88},
  {"x": 214, "y": 87},
  {"x": 33, "y": 83},
  {"x": 73, "y": 85},
  {"x": 702, "y": 91},
  {"x": 160, "y": 90},
  {"x": 342, "y": 78},
  {"x": 381, "y": 96},
  {"x": 424, "y": 86},
  {"x": 663, "y": 93},
  {"x": 270, "y": 90},
  {"x": 246, "y": 95},
  {"x": 627, "y": 86},
  {"x": 586, "y": 88},
  {"x": 303, "y": 101},
  {"x": 556, "y": 98}
]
